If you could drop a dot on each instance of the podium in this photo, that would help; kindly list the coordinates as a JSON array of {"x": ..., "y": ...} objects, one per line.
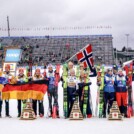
[
  {"x": 76, "y": 112},
  {"x": 28, "y": 113},
  {"x": 115, "y": 112}
]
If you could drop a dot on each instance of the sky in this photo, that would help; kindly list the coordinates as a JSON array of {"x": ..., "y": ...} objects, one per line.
[{"x": 116, "y": 14}]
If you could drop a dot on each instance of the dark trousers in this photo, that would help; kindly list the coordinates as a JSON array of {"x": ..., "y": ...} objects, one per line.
[
  {"x": 81, "y": 101},
  {"x": 108, "y": 100},
  {"x": 19, "y": 107},
  {"x": 6, "y": 107},
  {"x": 41, "y": 106},
  {"x": 53, "y": 94},
  {"x": 70, "y": 98}
]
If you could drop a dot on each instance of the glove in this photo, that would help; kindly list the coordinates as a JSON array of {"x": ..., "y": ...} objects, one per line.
[
  {"x": 87, "y": 84},
  {"x": 81, "y": 85}
]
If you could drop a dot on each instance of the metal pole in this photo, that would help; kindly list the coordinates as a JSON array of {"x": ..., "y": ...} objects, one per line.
[
  {"x": 8, "y": 27},
  {"x": 116, "y": 57},
  {"x": 127, "y": 44},
  {"x": 75, "y": 54}
]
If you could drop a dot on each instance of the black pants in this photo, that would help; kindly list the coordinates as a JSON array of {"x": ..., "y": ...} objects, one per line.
[
  {"x": 81, "y": 101},
  {"x": 53, "y": 94},
  {"x": 108, "y": 99},
  {"x": 41, "y": 106},
  {"x": 19, "y": 107},
  {"x": 70, "y": 98},
  {"x": 6, "y": 107}
]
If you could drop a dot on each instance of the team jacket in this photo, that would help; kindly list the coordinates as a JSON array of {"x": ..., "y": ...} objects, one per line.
[
  {"x": 8, "y": 77},
  {"x": 53, "y": 78},
  {"x": 109, "y": 83},
  {"x": 120, "y": 82},
  {"x": 83, "y": 84},
  {"x": 72, "y": 82},
  {"x": 22, "y": 79}
]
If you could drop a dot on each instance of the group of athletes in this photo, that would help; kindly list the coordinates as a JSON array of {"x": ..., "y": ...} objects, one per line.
[{"x": 116, "y": 85}]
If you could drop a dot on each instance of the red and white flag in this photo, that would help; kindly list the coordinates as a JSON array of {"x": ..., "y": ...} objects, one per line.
[{"x": 86, "y": 56}]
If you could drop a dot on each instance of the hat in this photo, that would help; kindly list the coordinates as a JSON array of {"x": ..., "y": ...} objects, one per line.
[{"x": 115, "y": 67}]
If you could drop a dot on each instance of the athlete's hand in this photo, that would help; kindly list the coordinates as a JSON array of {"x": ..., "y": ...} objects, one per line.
[{"x": 113, "y": 82}]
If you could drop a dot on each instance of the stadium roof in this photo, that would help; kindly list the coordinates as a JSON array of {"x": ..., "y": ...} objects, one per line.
[{"x": 61, "y": 36}]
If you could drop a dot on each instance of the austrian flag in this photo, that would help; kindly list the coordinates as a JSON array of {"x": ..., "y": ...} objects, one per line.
[{"x": 86, "y": 56}]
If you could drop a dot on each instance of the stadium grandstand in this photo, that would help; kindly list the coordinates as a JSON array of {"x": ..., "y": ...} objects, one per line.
[{"x": 58, "y": 49}]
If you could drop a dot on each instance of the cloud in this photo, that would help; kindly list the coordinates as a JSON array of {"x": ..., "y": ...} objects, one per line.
[{"x": 54, "y": 13}]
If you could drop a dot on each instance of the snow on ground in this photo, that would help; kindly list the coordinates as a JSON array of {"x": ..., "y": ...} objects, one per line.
[{"x": 63, "y": 126}]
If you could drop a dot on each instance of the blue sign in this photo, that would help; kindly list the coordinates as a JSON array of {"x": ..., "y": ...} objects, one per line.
[{"x": 13, "y": 55}]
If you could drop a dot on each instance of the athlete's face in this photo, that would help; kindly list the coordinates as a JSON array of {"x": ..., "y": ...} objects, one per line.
[
  {"x": 70, "y": 65},
  {"x": 110, "y": 72},
  {"x": 7, "y": 69},
  {"x": 72, "y": 73},
  {"x": 120, "y": 72},
  {"x": 21, "y": 72},
  {"x": 82, "y": 74},
  {"x": 86, "y": 75},
  {"x": 50, "y": 68},
  {"x": 81, "y": 66},
  {"x": 115, "y": 71},
  {"x": 37, "y": 73}
]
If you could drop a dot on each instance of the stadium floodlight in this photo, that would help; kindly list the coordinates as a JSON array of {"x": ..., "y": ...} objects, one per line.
[
  {"x": 8, "y": 26},
  {"x": 127, "y": 35}
]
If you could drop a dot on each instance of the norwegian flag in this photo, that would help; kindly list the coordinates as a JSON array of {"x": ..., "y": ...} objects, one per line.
[{"x": 86, "y": 56}]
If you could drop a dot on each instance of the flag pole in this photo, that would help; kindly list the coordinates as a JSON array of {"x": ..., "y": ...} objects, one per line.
[
  {"x": 76, "y": 53},
  {"x": 71, "y": 57}
]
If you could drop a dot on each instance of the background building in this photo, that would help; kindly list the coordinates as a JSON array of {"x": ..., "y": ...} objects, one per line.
[
  {"x": 58, "y": 49},
  {"x": 123, "y": 56}
]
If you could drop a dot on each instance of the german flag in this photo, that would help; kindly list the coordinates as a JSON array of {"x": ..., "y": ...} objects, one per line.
[{"x": 30, "y": 90}]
